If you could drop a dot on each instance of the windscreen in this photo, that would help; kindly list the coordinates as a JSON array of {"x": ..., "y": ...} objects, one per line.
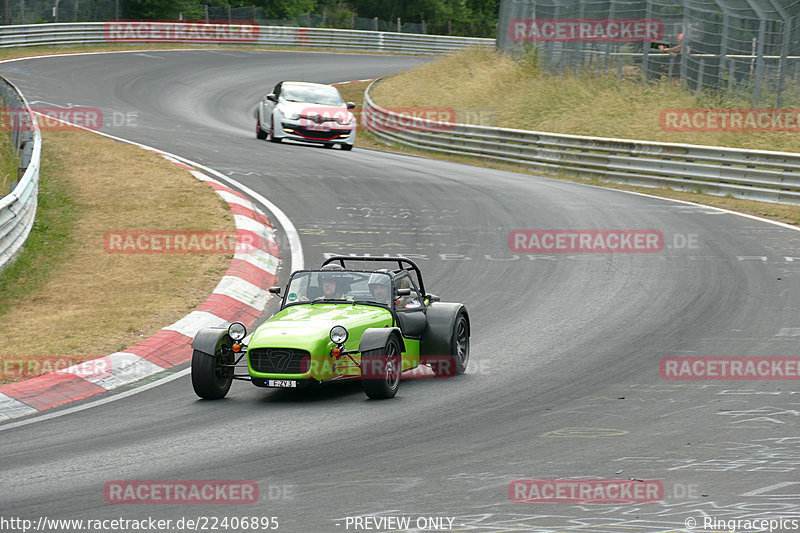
[
  {"x": 313, "y": 94},
  {"x": 323, "y": 286}
]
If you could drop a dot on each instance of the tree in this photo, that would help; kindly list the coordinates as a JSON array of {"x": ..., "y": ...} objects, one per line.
[{"x": 150, "y": 9}]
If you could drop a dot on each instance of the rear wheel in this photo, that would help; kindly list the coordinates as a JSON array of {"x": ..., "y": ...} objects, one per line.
[
  {"x": 455, "y": 363},
  {"x": 210, "y": 379},
  {"x": 382, "y": 370}
]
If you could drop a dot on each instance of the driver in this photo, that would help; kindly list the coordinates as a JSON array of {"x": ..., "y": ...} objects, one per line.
[
  {"x": 330, "y": 283},
  {"x": 380, "y": 286}
]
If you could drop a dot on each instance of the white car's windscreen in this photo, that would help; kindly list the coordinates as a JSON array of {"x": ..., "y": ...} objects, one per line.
[{"x": 321, "y": 94}]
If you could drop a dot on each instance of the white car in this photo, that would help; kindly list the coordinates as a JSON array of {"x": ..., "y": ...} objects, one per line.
[{"x": 308, "y": 112}]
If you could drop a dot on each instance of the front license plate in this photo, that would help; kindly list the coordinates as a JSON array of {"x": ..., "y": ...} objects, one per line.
[
  {"x": 281, "y": 383},
  {"x": 318, "y": 127}
]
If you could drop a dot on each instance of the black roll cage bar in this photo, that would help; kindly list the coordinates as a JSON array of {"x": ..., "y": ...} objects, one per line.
[{"x": 401, "y": 261}]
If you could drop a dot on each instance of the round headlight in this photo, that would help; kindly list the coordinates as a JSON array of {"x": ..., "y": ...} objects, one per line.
[
  {"x": 339, "y": 334},
  {"x": 237, "y": 331}
]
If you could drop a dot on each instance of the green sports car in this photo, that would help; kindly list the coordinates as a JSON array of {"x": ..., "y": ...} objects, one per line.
[{"x": 343, "y": 321}]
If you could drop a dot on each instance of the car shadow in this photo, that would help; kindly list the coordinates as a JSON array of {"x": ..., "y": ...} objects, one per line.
[
  {"x": 324, "y": 392},
  {"x": 327, "y": 392}
]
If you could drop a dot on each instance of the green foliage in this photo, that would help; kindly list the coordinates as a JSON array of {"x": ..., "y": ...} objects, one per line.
[
  {"x": 194, "y": 9},
  {"x": 529, "y": 61},
  {"x": 466, "y": 17},
  {"x": 150, "y": 9},
  {"x": 460, "y": 17},
  {"x": 285, "y": 8},
  {"x": 338, "y": 15}
]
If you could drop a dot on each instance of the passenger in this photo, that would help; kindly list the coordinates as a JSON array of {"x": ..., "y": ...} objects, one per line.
[{"x": 380, "y": 286}]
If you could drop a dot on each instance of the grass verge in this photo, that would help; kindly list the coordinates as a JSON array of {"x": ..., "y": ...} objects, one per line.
[{"x": 72, "y": 299}]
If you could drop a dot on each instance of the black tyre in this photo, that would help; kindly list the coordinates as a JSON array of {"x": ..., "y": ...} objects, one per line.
[
  {"x": 381, "y": 370},
  {"x": 455, "y": 363},
  {"x": 328, "y": 145},
  {"x": 347, "y": 147},
  {"x": 272, "y": 132},
  {"x": 209, "y": 377},
  {"x": 260, "y": 134}
]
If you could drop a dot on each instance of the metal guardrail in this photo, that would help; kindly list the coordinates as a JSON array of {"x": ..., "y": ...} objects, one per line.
[
  {"x": 310, "y": 38},
  {"x": 18, "y": 208},
  {"x": 752, "y": 174}
]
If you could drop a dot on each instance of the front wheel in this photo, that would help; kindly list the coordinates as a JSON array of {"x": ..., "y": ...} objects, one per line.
[
  {"x": 455, "y": 363},
  {"x": 260, "y": 134},
  {"x": 272, "y": 132},
  {"x": 380, "y": 370},
  {"x": 347, "y": 147},
  {"x": 209, "y": 378}
]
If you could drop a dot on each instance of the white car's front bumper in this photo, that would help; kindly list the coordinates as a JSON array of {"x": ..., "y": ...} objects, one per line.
[{"x": 307, "y": 131}]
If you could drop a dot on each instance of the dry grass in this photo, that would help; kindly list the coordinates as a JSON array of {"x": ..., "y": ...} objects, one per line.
[
  {"x": 488, "y": 88},
  {"x": 94, "y": 303}
]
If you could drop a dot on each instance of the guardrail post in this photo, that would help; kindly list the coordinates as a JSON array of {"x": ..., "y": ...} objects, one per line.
[
  {"x": 700, "y": 69},
  {"x": 579, "y": 45},
  {"x": 611, "y": 10},
  {"x": 731, "y": 75},
  {"x": 685, "y": 47},
  {"x": 648, "y": 12},
  {"x": 782, "y": 63},
  {"x": 759, "y": 61},
  {"x": 723, "y": 45}
]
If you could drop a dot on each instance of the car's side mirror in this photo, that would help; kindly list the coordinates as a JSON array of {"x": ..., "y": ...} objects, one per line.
[
  {"x": 403, "y": 292},
  {"x": 432, "y": 298},
  {"x": 275, "y": 290},
  {"x": 351, "y": 105},
  {"x": 271, "y": 97}
]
